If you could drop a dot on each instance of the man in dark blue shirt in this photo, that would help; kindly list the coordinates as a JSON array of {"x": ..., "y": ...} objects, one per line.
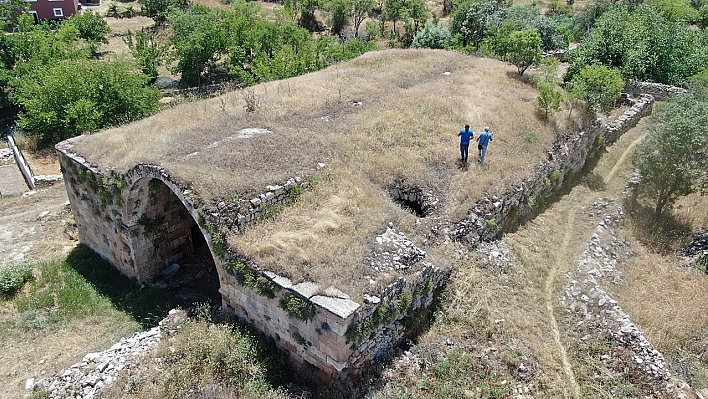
[
  {"x": 483, "y": 141},
  {"x": 465, "y": 138}
]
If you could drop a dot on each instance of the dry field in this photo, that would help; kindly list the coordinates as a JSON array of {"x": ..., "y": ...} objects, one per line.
[
  {"x": 386, "y": 117},
  {"x": 514, "y": 314}
]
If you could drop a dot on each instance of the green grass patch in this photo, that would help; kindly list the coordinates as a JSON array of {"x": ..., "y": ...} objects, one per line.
[
  {"x": 14, "y": 276},
  {"x": 84, "y": 285}
]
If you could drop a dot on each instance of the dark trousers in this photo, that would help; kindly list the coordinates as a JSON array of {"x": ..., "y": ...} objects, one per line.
[{"x": 464, "y": 151}]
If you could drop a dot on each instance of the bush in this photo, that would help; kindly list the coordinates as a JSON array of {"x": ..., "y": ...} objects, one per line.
[
  {"x": 432, "y": 36},
  {"x": 14, "y": 276}
]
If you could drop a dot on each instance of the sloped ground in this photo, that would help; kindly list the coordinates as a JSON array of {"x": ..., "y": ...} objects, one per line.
[{"x": 511, "y": 309}]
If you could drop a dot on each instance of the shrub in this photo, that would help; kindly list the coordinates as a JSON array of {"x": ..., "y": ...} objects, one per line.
[
  {"x": 432, "y": 36},
  {"x": 298, "y": 307},
  {"x": 14, "y": 276}
]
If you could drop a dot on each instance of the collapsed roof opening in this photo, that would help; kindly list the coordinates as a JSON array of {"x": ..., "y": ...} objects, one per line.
[{"x": 410, "y": 198}]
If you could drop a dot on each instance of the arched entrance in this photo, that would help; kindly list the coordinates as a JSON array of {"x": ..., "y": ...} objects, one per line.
[{"x": 167, "y": 245}]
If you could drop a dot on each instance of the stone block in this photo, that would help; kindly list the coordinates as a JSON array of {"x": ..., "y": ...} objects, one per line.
[
  {"x": 340, "y": 307},
  {"x": 306, "y": 288}
]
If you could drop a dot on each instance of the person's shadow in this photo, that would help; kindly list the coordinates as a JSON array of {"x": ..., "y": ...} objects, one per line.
[{"x": 462, "y": 165}]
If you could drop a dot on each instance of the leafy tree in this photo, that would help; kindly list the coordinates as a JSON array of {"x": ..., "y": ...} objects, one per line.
[
  {"x": 72, "y": 98},
  {"x": 9, "y": 10},
  {"x": 159, "y": 9},
  {"x": 394, "y": 11},
  {"x": 675, "y": 10},
  {"x": 598, "y": 85},
  {"x": 340, "y": 10},
  {"x": 523, "y": 49},
  {"x": 550, "y": 98},
  {"x": 149, "y": 52},
  {"x": 92, "y": 27},
  {"x": 360, "y": 10},
  {"x": 672, "y": 159},
  {"x": 471, "y": 21},
  {"x": 303, "y": 12},
  {"x": 702, "y": 19},
  {"x": 432, "y": 36},
  {"x": 199, "y": 38},
  {"x": 643, "y": 45}
]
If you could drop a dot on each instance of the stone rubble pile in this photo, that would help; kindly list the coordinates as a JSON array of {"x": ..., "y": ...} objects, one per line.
[
  {"x": 84, "y": 380},
  {"x": 698, "y": 245},
  {"x": 6, "y": 156},
  {"x": 494, "y": 256},
  {"x": 397, "y": 252},
  {"x": 659, "y": 91},
  {"x": 41, "y": 181},
  {"x": 601, "y": 316}
]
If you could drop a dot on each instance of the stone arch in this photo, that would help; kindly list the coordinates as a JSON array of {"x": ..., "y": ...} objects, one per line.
[{"x": 160, "y": 223}]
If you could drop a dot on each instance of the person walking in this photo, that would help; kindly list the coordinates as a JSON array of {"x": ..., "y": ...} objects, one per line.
[
  {"x": 483, "y": 142},
  {"x": 465, "y": 138}
]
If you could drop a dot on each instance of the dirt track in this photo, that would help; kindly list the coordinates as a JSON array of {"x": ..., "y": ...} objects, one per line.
[{"x": 554, "y": 242}]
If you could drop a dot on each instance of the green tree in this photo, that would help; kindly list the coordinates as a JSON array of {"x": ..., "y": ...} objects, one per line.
[
  {"x": 523, "y": 49},
  {"x": 200, "y": 38},
  {"x": 360, "y": 10},
  {"x": 340, "y": 11},
  {"x": 471, "y": 21},
  {"x": 75, "y": 97},
  {"x": 598, "y": 85},
  {"x": 432, "y": 36},
  {"x": 702, "y": 19},
  {"x": 675, "y": 10},
  {"x": 549, "y": 98},
  {"x": 159, "y": 9},
  {"x": 149, "y": 52},
  {"x": 643, "y": 45},
  {"x": 672, "y": 159},
  {"x": 92, "y": 27},
  {"x": 9, "y": 10}
]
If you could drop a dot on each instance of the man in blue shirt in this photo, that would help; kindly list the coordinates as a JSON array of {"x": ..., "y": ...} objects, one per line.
[
  {"x": 465, "y": 138},
  {"x": 483, "y": 141}
]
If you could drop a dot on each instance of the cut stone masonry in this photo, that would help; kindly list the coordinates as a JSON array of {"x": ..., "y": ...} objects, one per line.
[{"x": 143, "y": 221}]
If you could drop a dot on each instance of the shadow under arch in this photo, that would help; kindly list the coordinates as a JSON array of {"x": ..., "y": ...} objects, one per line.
[{"x": 162, "y": 240}]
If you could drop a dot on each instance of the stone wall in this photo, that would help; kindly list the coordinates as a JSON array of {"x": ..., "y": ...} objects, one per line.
[
  {"x": 324, "y": 327},
  {"x": 659, "y": 91},
  {"x": 567, "y": 157},
  {"x": 143, "y": 221}
]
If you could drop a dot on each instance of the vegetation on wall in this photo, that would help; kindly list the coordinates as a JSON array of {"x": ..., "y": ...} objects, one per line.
[{"x": 297, "y": 307}]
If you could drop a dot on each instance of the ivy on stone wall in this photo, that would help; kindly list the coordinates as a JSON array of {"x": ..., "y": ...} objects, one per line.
[
  {"x": 248, "y": 277},
  {"x": 297, "y": 307}
]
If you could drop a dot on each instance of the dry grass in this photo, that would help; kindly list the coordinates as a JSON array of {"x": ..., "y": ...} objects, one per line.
[
  {"x": 668, "y": 301},
  {"x": 413, "y": 103},
  {"x": 525, "y": 296},
  {"x": 201, "y": 360}
]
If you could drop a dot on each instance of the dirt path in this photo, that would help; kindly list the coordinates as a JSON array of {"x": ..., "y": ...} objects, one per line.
[
  {"x": 549, "y": 296},
  {"x": 550, "y": 247}
]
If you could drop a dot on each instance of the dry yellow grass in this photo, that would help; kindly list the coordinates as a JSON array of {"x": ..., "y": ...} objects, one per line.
[{"x": 412, "y": 104}]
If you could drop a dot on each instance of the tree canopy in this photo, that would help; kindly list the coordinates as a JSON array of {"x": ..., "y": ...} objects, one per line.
[{"x": 672, "y": 159}]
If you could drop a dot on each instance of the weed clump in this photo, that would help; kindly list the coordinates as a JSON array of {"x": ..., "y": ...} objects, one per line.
[{"x": 14, "y": 276}]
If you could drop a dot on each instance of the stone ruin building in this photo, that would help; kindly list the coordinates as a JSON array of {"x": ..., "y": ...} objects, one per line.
[{"x": 144, "y": 216}]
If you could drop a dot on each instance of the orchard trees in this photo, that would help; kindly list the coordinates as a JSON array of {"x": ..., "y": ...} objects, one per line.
[
  {"x": 672, "y": 159},
  {"x": 643, "y": 45}
]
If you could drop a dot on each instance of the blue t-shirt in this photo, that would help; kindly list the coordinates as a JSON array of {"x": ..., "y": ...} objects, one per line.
[
  {"x": 484, "y": 139},
  {"x": 465, "y": 136}
]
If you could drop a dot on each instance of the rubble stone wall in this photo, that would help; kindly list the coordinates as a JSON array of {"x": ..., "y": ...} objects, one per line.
[
  {"x": 142, "y": 222},
  {"x": 566, "y": 158},
  {"x": 659, "y": 91}
]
